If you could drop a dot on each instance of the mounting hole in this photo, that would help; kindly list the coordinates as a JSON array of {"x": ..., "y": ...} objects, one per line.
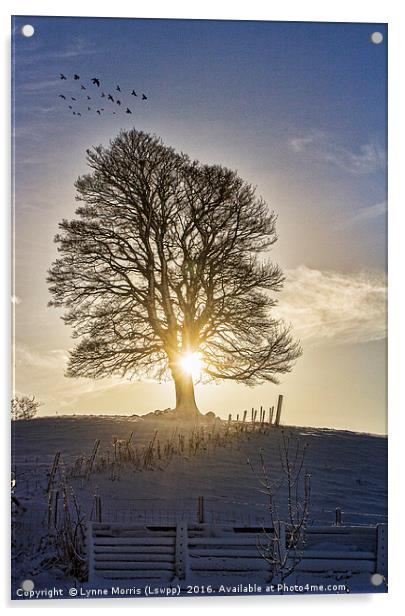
[
  {"x": 27, "y": 30},
  {"x": 377, "y": 579},
  {"x": 377, "y": 38},
  {"x": 27, "y": 585}
]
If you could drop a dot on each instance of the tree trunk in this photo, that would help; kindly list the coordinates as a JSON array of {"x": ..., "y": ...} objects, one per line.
[{"x": 185, "y": 400}]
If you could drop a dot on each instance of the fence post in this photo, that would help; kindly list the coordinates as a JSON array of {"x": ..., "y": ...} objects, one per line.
[
  {"x": 201, "y": 510},
  {"x": 181, "y": 556},
  {"x": 279, "y": 406},
  {"x": 97, "y": 508},
  {"x": 382, "y": 550},
  {"x": 262, "y": 414}
]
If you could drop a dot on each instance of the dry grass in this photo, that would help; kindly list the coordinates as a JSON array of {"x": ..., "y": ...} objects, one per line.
[{"x": 161, "y": 449}]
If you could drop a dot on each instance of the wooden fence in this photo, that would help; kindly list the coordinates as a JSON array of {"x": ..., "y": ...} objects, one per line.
[{"x": 202, "y": 553}]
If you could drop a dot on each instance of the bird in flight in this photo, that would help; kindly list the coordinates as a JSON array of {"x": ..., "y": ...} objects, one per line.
[{"x": 96, "y": 81}]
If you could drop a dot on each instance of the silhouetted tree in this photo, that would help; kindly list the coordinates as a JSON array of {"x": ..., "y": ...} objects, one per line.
[{"x": 167, "y": 257}]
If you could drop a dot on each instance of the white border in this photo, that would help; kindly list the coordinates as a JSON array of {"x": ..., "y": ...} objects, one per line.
[{"x": 294, "y": 10}]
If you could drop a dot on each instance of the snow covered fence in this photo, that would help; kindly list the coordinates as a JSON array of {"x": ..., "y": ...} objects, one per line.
[{"x": 201, "y": 552}]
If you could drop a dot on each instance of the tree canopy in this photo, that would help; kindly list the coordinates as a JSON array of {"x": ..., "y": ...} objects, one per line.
[{"x": 169, "y": 256}]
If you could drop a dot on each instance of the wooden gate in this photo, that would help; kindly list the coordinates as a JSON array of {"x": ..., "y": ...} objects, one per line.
[{"x": 200, "y": 552}]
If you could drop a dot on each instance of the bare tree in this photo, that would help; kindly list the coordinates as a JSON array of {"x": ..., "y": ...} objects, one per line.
[
  {"x": 167, "y": 257},
  {"x": 24, "y": 407}
]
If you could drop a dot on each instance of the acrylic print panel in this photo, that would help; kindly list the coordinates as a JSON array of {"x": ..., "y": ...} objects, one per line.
[{"x": 199, "y": 308}]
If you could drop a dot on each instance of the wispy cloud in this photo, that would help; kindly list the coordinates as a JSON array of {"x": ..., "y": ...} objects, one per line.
[
  {"x": 37, "y": 86},
  {"x": 365, "y": 214},
  {"x": 29, "y": 357},
  {"x": 334, "y": 307},
  {"x": 300, "y": 144},
  {"x": 323, "y": 147},
  {"x": 39, "y": 54}
]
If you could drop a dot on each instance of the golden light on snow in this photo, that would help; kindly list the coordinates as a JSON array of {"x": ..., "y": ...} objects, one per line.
[{"x": 191, "y": 363}]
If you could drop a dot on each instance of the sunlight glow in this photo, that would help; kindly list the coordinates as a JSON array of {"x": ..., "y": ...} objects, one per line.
[{"x": 191, "y": 364}]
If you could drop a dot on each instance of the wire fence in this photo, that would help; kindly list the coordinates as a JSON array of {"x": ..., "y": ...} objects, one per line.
[
  {"x": 34, "y": 516},
  {"x": 217, "y": 511}
]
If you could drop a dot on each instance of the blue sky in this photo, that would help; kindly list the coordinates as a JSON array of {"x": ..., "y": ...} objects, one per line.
[{"x": 299, "y": 109}]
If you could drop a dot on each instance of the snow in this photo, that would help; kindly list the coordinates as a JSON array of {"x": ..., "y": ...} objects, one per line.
[{"x": 348, "y": 470}]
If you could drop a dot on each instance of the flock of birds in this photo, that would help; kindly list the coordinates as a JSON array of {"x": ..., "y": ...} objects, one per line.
[{"x": 89, "y": 97}]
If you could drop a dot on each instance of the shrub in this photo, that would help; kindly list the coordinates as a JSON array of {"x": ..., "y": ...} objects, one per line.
[{"x": 24, "y": 407}]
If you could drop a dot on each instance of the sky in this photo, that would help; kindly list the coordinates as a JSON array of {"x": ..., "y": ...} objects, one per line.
[{"x": 299, "y": 110}]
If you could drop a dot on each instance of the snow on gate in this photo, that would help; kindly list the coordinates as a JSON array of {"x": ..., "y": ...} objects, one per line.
[{"x": 206, "y": 553}]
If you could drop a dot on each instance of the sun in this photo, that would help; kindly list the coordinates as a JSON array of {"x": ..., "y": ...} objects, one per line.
[{"x": 191, "y": 364}]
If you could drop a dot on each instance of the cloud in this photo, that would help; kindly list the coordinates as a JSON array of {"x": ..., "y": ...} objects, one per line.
[
  {"x": 38, "y": 86},
  {"x": 334, "y": 307},
  {"x": 76, "y": 48},
  {"x": 365, "y": 214},
  {"x": 299, "y": 144},
  {"x": 322, "y": 147},
  {"x": 28, "y": 357}
]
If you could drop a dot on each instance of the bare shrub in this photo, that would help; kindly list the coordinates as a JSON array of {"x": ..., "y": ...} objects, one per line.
[
  {"x": 69, "y": 536},
  {"x": 283, "y": 546},
  {"x": 24, "y": 407},
  {"x": 65, "y": 541}
]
